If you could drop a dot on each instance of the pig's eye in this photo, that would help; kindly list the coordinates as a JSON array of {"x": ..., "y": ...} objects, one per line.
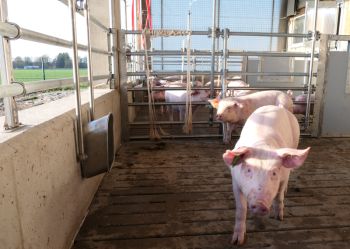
[{"x": 274, "y": 173}]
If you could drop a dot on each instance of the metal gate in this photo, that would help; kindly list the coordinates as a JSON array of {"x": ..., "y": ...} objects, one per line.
[{"x": 264, "y": 70}]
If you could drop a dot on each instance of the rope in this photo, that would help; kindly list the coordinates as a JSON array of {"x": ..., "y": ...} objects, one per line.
[
  {"x": 154, "y": 130},
  {"x": 187, "y": 128},
  {"x": 169, "y": 32}
]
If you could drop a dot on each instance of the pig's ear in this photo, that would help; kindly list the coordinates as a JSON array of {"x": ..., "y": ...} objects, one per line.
[
  {"x": 214, "y": 102},
  {"x": 292, "y": 158},
  {"x": 237, "y": 104},
  {"x": 229, "y": 155}
]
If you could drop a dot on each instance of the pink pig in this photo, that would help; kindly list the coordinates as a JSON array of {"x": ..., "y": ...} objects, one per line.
[
  {"x": 263, "y": 158},
  {"x": 235, "y": 110}
]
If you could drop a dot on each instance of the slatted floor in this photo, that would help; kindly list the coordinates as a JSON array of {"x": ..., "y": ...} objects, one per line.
[{"x": 177, "y": 194}]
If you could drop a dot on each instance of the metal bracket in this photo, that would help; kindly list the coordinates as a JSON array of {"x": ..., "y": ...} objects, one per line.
[
  {"x": 317, "y": 35},
  {"x": 19, "y": 32},
  {"x": 217, "y": 32}
]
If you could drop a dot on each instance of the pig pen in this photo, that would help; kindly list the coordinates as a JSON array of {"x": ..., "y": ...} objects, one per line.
[{"x": 178, "y": 194}]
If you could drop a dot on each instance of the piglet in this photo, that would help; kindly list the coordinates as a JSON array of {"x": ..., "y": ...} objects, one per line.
[
  {"x": 261, "y": 162},
  {"x": 235, "y": 110}
]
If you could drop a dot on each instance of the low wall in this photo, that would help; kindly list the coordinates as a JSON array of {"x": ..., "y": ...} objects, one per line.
[{"x": 43, "y": 198}]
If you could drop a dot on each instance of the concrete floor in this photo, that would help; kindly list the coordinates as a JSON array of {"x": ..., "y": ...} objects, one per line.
[{"x": 177, "y": 194}]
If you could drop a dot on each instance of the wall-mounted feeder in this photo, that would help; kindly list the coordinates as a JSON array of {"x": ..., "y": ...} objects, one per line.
[{"x": 99, "y": 146}]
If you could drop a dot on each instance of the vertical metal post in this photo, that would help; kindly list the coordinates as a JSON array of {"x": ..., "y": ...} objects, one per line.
[
  {"x": 112, "y": 59},
  {"x": 309, "y": 85},
  {"x": 213, "y": 39},
  {"x": 161, "y": 27},
  {"x": 218, "y": 38},
  {"x": 271, "y": 30},
  {"x": 320, "y": 86},
  {"x": 11, "y": 112},
  {"x": 89, "y": 62},
  {"x": 79, "y": 126},
  {"x": 223, "y": 78}
]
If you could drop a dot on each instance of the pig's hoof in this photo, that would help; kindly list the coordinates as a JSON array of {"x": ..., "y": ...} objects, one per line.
[{"x": 238, "y": 238}]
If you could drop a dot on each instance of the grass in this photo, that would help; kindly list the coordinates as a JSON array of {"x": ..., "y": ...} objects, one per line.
[{"x": 27, "y": 75}]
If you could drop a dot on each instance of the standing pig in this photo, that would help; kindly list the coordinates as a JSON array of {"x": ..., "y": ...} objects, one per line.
[
  {"x": 299, "y": 106},
  {"x": 235, "y": 110},
  {"x": 236, "y": 93},
  {"x": 261, "y": 162},
  {"x": 180, "y": 96}
]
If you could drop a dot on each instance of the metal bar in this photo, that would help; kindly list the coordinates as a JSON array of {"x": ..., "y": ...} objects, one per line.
[
  {"x": 178, "y": 136},
  {"x": 12, "y": 90},
  {"x": 92, "y": 18},
  {"x": 161, "y": 26},
  {"x": 11, "y": 112},
  {"x": 320, "y": 87},
  {"x": 223, "y": 79},
  {"x": 9, "y": 30},
  {"x": 339, "y": 37},
  {"x": 295, "y": 88},
  {"x": 219, "y": 53},
  {"x": 309, "y": 88},
  {"x": 89, "y": 62},
  {"x": 167, "y": 103},
  {"x": 171, "y": 122},
  {"x": 158, "y": 73},
  {"x": 206, "y": 33},
  {"x": 113, "y": 45},
  {"x": 80, "y": 143}
]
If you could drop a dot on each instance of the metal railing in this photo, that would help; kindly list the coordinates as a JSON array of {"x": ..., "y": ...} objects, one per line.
[
  {"x": 11, "y": 88},
  {"x": 225, "y": 54}
]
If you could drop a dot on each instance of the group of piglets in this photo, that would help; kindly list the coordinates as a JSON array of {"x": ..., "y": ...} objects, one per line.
[{"x": 264, "y": 155}]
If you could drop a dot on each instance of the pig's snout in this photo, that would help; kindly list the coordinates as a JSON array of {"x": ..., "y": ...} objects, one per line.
[
  {"x": 218, "y": 116},
  {"x": 259, "y": 208}
]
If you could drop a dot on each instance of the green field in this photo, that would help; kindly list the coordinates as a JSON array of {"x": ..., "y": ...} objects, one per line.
[{"x": 27, "y": 75}]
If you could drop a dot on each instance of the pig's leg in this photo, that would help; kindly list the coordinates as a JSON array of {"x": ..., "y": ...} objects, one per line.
[
  {"x": 228, "y": 134},
  {"x": 241, "y": 215},
  {"x": 278, "y": 202}
]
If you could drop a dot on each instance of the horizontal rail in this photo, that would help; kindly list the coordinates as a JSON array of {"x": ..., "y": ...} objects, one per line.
[
  {"x": 295, "y": 88},
  {"x": 16, "y": 89},
  {"x": 174, "y": 122},
  {"x": 178, "y": 136},
  {"x": 208, "y": 33},
  {"x": 164, "y": 73},
  {"x": 9, "y": 30},
  {"x": 218, "y": 53},
  {"x": 339, "y": 37},
  {"x": 168, "y": 103}
]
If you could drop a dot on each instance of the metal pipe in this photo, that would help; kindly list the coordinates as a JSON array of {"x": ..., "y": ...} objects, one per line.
[
  {"x": 12, "y": 90},
  {"x": 80, "y": 142},
  {"x": 166, "y": 103},
  {"x": 89, "y": 62},
  {"x": 164, "y": 73},
  {"x": 219, "y": 53},
  {"x": 112, "y": 45},
  {"x": 171, "y": 122},
  {"x": 285, "y": 88},
  {"x": 206, "y": 33},
  {"x": 7, "y": 29},
  {"x": 309, "y": 85},
  {"x": 177, "y": 136},
  {"x": 161, "y": 26},
  {"x": 223, "y": 79},
  {"x": 11, "y": 112}
]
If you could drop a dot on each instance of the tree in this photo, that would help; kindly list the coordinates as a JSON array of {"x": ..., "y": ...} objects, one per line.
[
  {"x": 28, "y": 61},
  {"x": 18, "y": 62},
  {"x": 63, "y": 61},
  {"x": 83, "y": 62}
]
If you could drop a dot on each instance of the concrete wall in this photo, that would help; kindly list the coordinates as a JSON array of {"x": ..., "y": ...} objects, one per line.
[{"x": 43, "y": 198}]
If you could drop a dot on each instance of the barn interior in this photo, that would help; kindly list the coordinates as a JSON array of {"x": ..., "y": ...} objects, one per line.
[{"x": 135, "y": 159}]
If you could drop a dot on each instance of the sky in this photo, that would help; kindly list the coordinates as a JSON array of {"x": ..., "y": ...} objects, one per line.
[{"x": 45, "y": 16}]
